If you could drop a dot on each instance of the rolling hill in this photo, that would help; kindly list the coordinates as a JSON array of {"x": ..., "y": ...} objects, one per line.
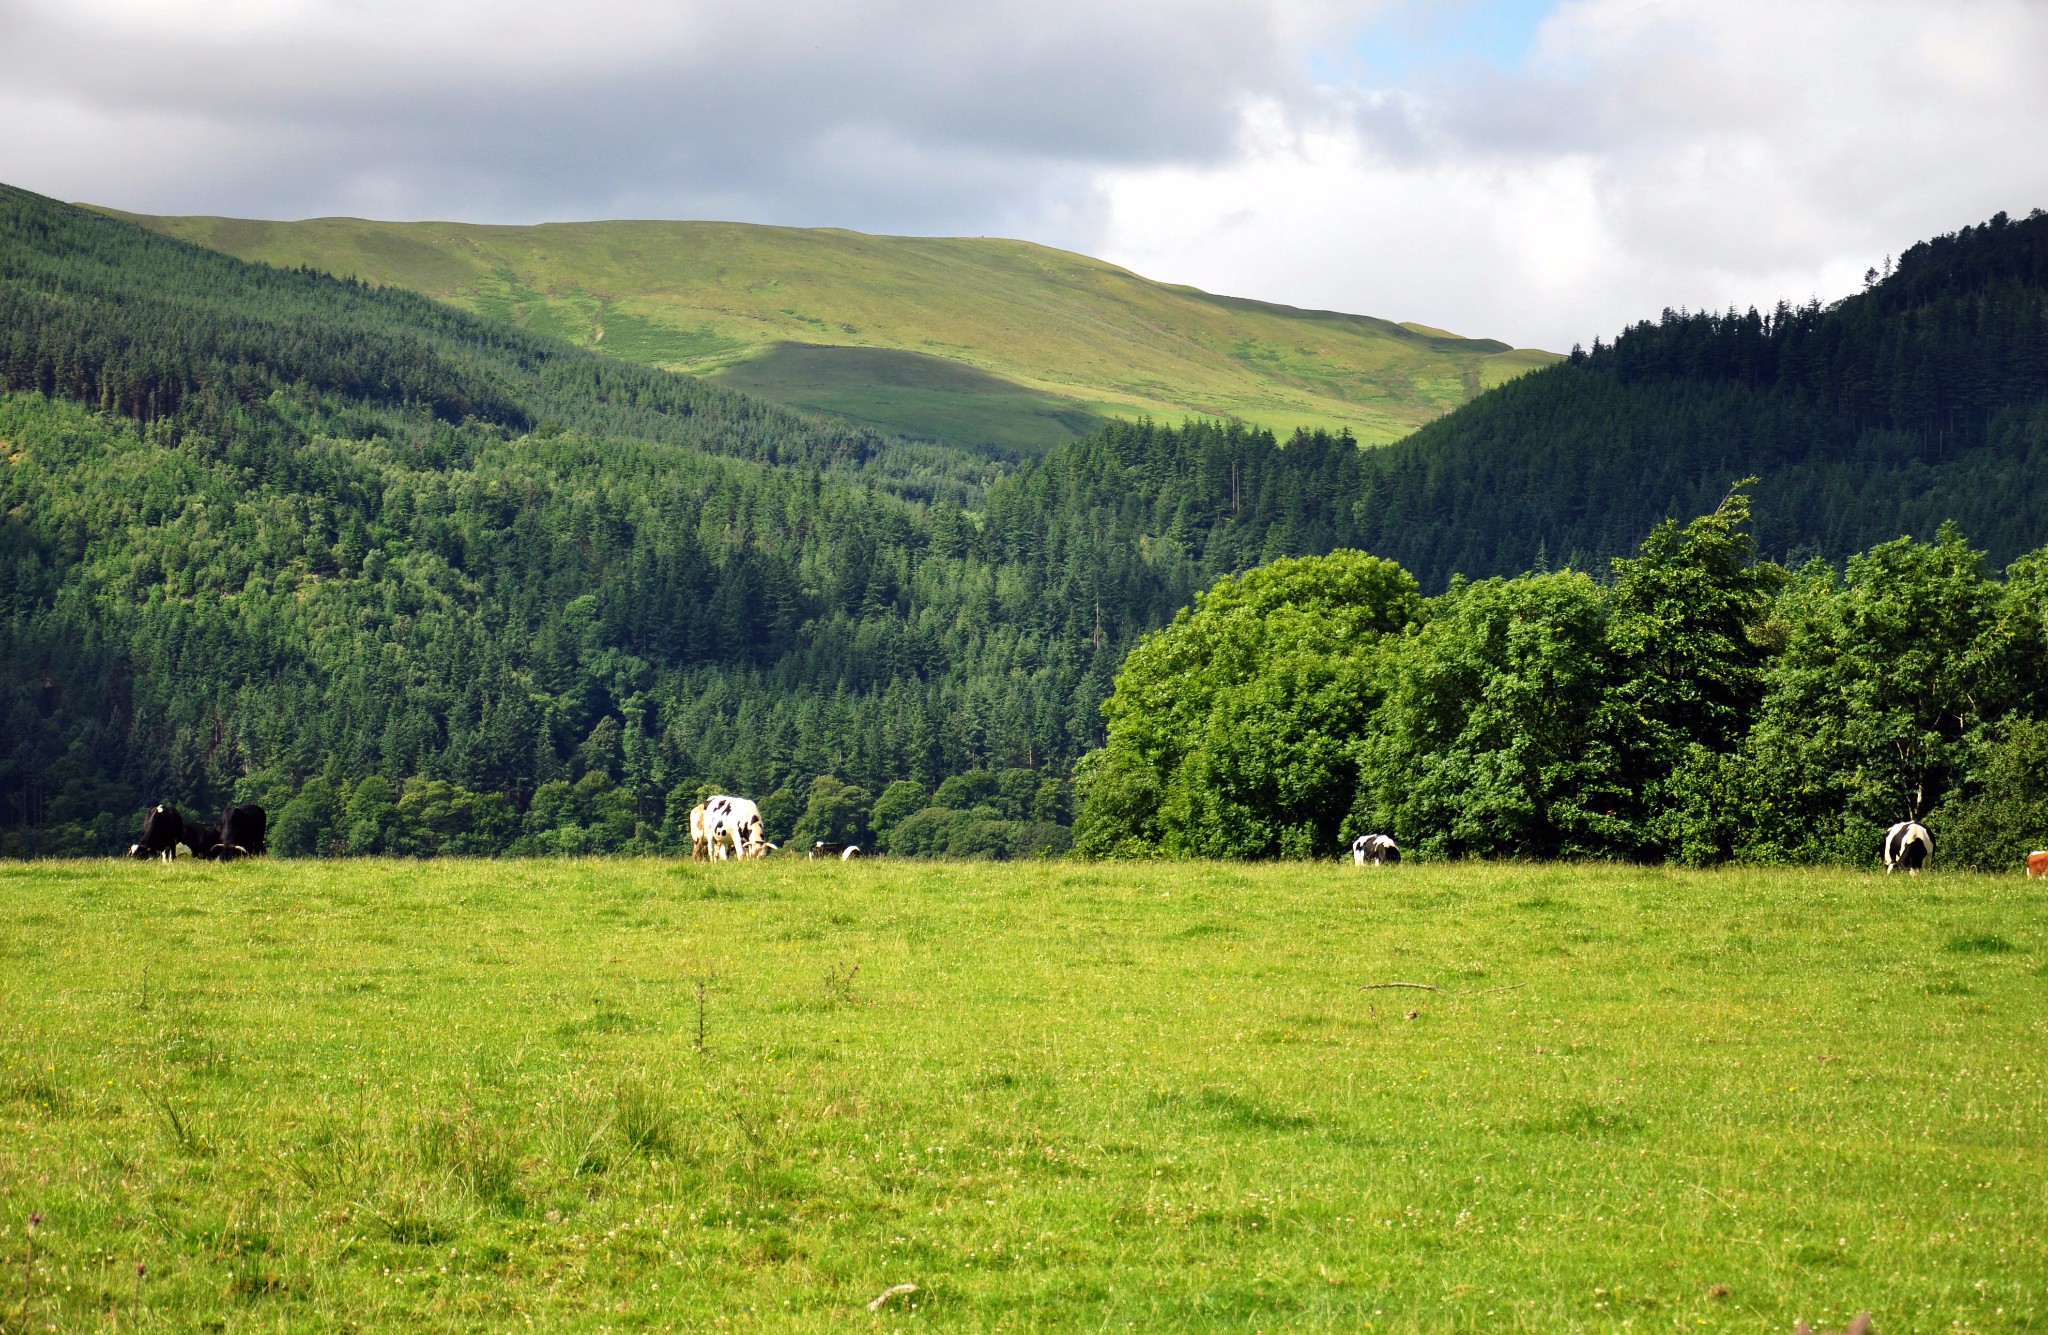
[{"x": 968, "y": 340}]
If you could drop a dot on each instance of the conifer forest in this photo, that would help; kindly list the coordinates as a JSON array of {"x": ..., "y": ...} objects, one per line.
[{"x": 423, "y": 583}]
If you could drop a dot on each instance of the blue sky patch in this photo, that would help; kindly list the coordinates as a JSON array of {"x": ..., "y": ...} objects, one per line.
[{"x": 1424, "y": 37}]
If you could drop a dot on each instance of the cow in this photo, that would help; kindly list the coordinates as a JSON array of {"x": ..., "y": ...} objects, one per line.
[
  {"x": 2037, "y": 863},
  {"x": 244, "y": 831},
  {"x": 163, "y": 829},
  {"x": 1378, "y": 849},
  {"x": 203, "y": 840},
  {"x": 700, "y": 832},
  {"x": 1907, "y": 847},
  {"x": 825, "y": 848},
  {"x": 736, "y": 821}
]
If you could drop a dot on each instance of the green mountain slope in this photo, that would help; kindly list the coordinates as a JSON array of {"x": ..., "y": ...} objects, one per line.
[
  {"x": 426, "y": 580},
  {"x": 800, "y": 316},
  {"x": 1921, "y": 400}
]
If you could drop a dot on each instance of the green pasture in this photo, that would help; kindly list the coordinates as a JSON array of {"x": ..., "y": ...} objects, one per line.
[{"x": 469, "y": 1095}]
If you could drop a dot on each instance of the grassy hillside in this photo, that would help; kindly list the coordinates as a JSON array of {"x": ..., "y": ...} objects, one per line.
[
  {"x": 798, "y": 315},
  {"x": 467, "y": 1095}
]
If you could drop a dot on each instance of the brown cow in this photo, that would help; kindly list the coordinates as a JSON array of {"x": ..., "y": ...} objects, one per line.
[
  {"x": 2037, "y": 863},
  {"x": 700, "y": 834}
]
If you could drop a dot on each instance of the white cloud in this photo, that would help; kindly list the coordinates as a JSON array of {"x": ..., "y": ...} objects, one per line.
[
  {"x": 1649, "y": 153},
  {"x": 529, "y": 109}
]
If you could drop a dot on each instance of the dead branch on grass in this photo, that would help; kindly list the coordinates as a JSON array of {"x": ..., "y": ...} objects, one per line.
[{"x": 1432, "y": 987}]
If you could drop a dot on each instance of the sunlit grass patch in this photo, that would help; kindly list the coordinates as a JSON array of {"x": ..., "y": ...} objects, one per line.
[{"x": 452, "y": 1096}]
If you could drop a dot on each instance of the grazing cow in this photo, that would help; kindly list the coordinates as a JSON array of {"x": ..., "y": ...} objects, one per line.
[
  {"x": 1907, "y": 847},
  {"x": 163, "y": 829},
  {"x": 737, "y": 821},
  {"x": 1377, "y": 849},
  {"x": 203, "y": 840},
  {"x": 2037, "y": 863},
  {"x": 244, "y": 831},
  {"x": 700, "y": 832}
]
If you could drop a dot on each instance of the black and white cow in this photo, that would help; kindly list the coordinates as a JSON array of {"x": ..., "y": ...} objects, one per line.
[
  {"x": 163, "y": 829},
  {"x": 1907, "y": 847},
  {"x": 825, "y": 848},
  {"x": 244, "y": 831},
  {"x": 1377, "y": 849},
  {"x": 736, "y": 822}
]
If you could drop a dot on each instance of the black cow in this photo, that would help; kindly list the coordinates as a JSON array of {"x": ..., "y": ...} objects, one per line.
[
  {"x": 163, "y": 829},
  {"x": 825, "y": 848},
  {"x": 203, "y": 840},
  {"x": 243, "y": 831}
]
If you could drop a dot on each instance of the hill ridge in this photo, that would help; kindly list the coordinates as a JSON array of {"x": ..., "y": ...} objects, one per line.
[
  {"x": 1920, "y": 400},
  {"x": 1078, "y": 339}
]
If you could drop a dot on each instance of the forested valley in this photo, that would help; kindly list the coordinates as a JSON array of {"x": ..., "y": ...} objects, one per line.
[{"x": 423, "y": 583}]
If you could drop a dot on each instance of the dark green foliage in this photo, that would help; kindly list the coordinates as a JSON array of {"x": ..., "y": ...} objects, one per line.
[
  {"x": 289, "y": 529},
  {"x": 2000, "y": 814},
  {"x": 835, "y": 811},
  {"x": 1701, "y": 707},
  {"x": 978, "y": 832},
  {"x": 1687, "y": 651},
  {"x": 1886, "y": 677},
  {"x": 897, "y": 801},
  {"x": 1921, "y": 400},
  {"x": 968, "y": 789},
  {"x": 1231, "y": 731},
  {"x": 1490, "y": 741}
]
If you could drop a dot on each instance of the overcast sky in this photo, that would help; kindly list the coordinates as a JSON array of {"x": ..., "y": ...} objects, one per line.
[{"x": 1535, "y": 170}]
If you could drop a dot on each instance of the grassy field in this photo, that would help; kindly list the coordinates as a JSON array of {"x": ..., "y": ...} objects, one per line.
[
  {"x": 469, "y": 1095},
  {"x": 1060, "y": 339}
]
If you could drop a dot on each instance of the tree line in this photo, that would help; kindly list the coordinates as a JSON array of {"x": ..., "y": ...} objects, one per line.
[
  {"x": 1696, "y": 705},
  {"x": 1922, "y": 399}
]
